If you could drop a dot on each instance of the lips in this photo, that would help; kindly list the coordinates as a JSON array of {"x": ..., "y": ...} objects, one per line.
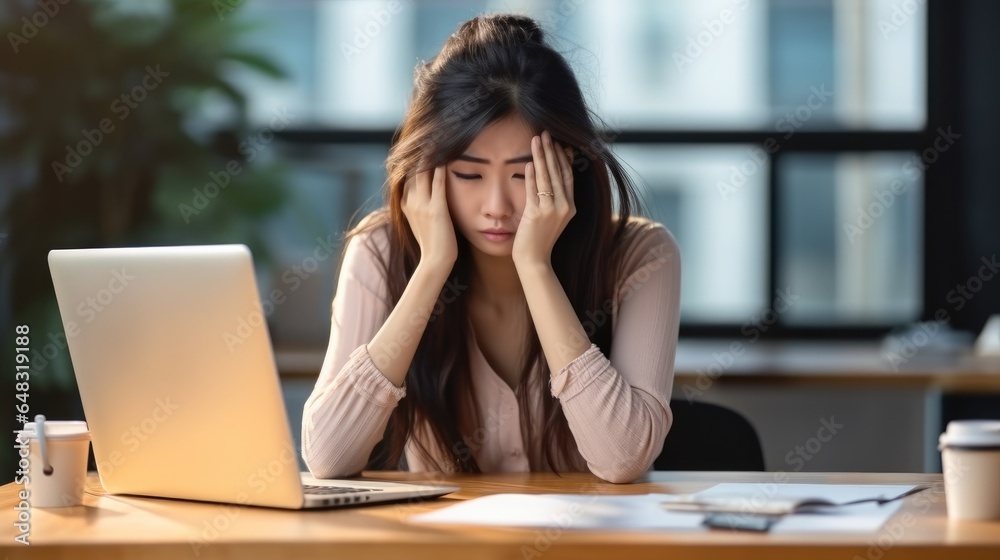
[
  {"x": 496, "y": 231},
  {"x": 497, "y": 237}
]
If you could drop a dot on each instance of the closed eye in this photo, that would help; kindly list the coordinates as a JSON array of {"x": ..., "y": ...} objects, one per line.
[{"x": 467, "y": 177}]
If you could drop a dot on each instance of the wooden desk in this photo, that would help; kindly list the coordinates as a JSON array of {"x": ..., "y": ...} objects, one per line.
[{"x": 130, "y": 527}]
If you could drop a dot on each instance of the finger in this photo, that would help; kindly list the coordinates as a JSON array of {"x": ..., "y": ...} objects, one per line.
[
  {"x": 411, "y": 190},
  {"x": 438, "y": 186},
  {"x": 422, "y": 189},
  {"x": 540, "y": 168},
  {"x": 530, "y": 190},
  {"x": 565, "y": 169},
  {"x": 552, "y": 166}
]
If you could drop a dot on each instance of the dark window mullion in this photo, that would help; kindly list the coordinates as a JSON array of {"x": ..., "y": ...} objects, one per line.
[
  {"x": 773, "y": 234},
  {"x": 944, "y": 180}
]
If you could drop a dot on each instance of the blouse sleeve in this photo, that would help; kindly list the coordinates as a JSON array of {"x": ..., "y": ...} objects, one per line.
[
  {"x": 346, "y": 414},
  {"x": 618, "y": 409}
]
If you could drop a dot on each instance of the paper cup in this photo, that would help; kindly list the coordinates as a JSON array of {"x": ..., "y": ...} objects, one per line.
[
  {"x": 57, "y": 469},
  {"x": 970, "y": 455}
]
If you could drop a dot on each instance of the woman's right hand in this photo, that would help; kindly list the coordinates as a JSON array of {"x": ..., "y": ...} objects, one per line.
[{"x": 426, "y": 209}]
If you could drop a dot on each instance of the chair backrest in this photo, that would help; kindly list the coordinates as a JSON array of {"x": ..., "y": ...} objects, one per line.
[{"x": 709, "y": 437}]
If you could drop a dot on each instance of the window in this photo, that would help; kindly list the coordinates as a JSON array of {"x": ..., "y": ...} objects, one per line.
[{"x": 758, "y": 130}]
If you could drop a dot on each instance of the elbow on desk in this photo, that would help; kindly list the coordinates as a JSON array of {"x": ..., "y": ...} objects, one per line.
[
  {"x": 328, "y": 469},
  {"x": 622, "y": 477},
  {"x": 627, "y": 467},
  {"x": 329, "y": 465},
  {"x": 631, "y": 464}
]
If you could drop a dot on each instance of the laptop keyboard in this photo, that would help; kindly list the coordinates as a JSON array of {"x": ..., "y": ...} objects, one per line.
[{"x": 314, "y": 489}]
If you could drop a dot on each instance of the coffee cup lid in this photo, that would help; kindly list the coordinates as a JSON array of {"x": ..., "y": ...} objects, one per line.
[
  {"x": 58, "y": 430},
  {"x": 971, "y": 433}
]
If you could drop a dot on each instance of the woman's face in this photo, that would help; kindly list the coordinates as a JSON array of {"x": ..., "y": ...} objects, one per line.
[{"x": 486, "y": 184}]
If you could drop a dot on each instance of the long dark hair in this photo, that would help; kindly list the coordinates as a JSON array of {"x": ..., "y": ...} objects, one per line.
[{"x": 492, "y": 67}]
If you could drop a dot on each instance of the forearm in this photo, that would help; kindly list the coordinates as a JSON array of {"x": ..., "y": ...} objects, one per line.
[
  {"x": 619, "y": 429},
  {"x": 560, "y": 333},
  {"x": 362, "y": 398},
  {"x": 619, "y": 422},
  {"x": 394, "y": 345}
]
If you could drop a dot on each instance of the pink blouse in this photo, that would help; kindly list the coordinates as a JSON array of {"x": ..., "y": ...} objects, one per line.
[{"x": 617, "y": 409}]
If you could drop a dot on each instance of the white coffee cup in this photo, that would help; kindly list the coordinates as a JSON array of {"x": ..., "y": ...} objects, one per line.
[
  {"x": 57, "y": 455},
  {"x": 970, "y": 455}
]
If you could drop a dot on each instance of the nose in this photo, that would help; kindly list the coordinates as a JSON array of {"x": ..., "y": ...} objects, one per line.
[{"x": 498, "y": 204}]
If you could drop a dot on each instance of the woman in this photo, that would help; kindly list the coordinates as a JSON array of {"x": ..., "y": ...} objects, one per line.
[{"x": 495, "y": 283}]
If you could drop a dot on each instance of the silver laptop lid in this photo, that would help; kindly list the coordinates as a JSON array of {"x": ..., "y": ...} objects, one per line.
[{"x": 176, "y": 373}]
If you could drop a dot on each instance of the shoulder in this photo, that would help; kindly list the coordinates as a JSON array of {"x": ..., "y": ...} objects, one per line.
[
  {"x": 371, "y": 234},
  {"x": 367, "y": 251},
  {"x": 646, "y": 244}
]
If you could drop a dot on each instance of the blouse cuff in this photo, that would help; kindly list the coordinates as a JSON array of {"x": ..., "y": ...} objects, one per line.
[
  {"x": 576, "y": 375},
  {"x": 369, "y": 382}
]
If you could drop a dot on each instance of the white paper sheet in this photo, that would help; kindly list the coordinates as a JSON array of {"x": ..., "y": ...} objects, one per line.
[
  {"x": 643, "y": 512},
  {"x": 567, "y": 511}
]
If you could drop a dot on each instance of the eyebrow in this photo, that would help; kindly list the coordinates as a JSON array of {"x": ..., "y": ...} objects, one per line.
[{"x": 519, "y": 159}]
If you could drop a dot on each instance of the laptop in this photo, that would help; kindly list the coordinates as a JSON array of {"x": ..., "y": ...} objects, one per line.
[{"x": 178, "y": 382}]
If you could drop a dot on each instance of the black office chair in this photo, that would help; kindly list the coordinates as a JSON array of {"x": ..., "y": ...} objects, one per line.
[{"x": 709, "y": 437}]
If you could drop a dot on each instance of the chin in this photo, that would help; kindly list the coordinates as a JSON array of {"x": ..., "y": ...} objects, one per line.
[{"x": 492, "y": 249}]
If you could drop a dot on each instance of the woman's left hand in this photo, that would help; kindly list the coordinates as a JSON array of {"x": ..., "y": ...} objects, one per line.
[{"x": 544, "y": 217}]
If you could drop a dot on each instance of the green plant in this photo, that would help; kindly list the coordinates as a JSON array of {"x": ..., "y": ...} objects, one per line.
[{"x": 101, "y": 123}]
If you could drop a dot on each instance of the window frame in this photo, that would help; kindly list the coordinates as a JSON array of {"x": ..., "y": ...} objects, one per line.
[{"x": 939, "y": 228}]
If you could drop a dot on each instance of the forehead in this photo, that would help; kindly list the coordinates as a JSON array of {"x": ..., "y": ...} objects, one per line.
[{"x": 509, "y": 136}]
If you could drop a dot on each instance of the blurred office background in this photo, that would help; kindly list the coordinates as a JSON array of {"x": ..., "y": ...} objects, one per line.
[{"x": 839, "y": 151}]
